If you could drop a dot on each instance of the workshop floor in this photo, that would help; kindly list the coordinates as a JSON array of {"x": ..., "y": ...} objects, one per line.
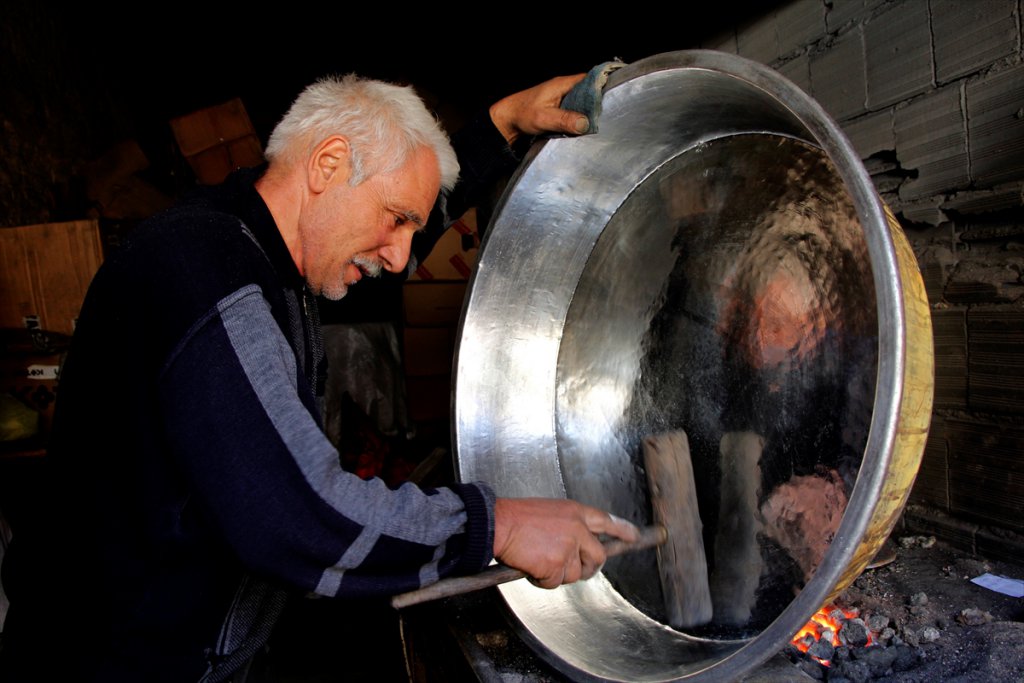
[
  {"x": 323, "y": 641},
  {"x": 927, "y": 587}
]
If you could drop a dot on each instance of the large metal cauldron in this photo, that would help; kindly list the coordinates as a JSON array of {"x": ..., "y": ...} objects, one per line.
[{"x": 714, "y": 260}]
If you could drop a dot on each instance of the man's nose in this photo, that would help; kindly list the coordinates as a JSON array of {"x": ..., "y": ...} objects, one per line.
[{"x": 395, "y": 254}]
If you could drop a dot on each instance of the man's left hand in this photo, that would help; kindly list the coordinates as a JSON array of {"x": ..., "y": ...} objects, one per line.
[{"x": 536, "y": 110}]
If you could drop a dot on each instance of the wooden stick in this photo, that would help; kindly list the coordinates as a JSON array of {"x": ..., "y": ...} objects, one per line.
[
  {"x": 499, "y": 573},
  {"x": 682, "y": 563},
  {"x": 738, "y": 562}
]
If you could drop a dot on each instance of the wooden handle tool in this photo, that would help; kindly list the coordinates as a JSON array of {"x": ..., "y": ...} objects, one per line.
[{"x": 495, "y": 574}]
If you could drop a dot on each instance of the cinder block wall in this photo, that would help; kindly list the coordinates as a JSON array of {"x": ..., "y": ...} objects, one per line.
[{"x": 931, "y": 94}]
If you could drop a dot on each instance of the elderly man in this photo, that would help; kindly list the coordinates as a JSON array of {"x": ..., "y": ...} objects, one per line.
[{"x": 192, "y": 485}]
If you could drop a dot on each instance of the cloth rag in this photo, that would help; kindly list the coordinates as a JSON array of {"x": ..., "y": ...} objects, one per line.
[{"x": 585, "y": 96}]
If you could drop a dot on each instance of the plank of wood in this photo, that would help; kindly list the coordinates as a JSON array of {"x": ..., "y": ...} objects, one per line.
[
  {"x": 738, "y": 560},
  {"x": 682, "y": 563}
]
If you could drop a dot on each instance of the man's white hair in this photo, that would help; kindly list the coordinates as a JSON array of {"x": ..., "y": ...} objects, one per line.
[{"x": 384, "y": 124}]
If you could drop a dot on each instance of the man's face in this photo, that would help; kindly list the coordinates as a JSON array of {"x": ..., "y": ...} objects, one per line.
[{"x": 351, "y": 231}]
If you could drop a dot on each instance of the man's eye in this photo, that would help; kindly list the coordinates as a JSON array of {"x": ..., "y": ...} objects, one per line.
[{"x": 400, "y": 220}]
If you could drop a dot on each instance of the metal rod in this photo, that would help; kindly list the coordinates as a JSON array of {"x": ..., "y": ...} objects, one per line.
[{"x": 496, "y": 574}]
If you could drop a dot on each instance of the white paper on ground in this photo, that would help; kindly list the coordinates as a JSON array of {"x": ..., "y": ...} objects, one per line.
[{"x": 1001, "y": 584}]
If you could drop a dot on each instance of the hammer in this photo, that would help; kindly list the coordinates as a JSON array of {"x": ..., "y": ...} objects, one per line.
[
  {"x": 495, "y": 574},
  {"x": 682, "y": 564}
]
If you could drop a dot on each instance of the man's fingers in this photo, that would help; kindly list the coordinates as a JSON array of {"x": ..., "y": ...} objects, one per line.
[
  {"x": 553, "y": 90},
  {"x": 537, "y": 110},
  {"x": 600, "y": 522},
  {"x": 555, "y": 541},
  {"x": 575, "y": 569},
  {"x": 623, "y": 529},
  {"x": 592, "y": 557},
  {"x": 563, "y": 121}
]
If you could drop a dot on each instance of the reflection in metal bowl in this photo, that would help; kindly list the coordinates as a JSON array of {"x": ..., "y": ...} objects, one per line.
[
  {"x": 713, "y": 261},
  {"x": 730, "y": 293}
]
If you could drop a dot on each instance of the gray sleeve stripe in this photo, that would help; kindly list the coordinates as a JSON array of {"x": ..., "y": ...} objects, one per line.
[
  {"x": 223, "y": 304},
  {"x": 428, "y": 572},
  {"x": 406, "y": 514},
  {"x": 353, "y": 557}
]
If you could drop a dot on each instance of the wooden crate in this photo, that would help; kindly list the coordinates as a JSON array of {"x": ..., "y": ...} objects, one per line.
[
  {"x": 217, "y": 140},
  {"x": 45, "y": 271}
]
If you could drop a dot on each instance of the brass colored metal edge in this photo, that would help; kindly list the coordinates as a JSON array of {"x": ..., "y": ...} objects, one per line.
[{"x": 915, "y": 410}]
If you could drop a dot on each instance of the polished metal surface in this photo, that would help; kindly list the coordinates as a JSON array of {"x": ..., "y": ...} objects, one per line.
[{"x": 713, "y": 260}]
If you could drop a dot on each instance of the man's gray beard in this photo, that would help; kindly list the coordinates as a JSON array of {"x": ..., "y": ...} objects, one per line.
[
  {"x": 371, "y": 268},
  {"x": 332, "y": 293}
]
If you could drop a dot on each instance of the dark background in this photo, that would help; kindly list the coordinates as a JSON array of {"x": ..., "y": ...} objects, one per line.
[
  {"x": 178, "y": 61},
  {"x": 75, "y": 81}
]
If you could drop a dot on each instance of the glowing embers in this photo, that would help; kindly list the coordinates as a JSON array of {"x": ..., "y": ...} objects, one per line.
[{"x": 829, "y": 628}]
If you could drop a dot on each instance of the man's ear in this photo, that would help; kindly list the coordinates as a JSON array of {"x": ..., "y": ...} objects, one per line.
[{"x": 331, "y": 161}]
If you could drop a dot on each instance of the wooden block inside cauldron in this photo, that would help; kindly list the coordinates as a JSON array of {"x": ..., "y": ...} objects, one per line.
[{"x": 682, "y": 563}]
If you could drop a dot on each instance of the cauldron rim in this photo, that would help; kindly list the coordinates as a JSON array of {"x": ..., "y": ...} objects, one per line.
[{"x": 875, "y": 502}]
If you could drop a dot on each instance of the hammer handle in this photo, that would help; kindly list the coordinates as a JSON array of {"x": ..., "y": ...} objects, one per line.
[{"x": 499, "y": 573}]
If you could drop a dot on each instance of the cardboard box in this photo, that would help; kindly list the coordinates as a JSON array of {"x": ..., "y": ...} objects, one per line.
[
  {"x": 217, "y": 140},
  {"x": 431, "y": 303},
  {"x": 45, "y": 271},
  {"x": 454, "y": 255}
]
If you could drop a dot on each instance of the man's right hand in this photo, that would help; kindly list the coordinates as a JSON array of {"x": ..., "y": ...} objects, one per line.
[{"x": 555, "y": 541}]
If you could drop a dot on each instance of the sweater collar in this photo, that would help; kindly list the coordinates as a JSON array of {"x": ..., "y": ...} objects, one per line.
[{"x": 254, "y": 212}]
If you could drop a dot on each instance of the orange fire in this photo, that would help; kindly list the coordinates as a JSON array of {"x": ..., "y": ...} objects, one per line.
[{"x": 822, "y": 621}]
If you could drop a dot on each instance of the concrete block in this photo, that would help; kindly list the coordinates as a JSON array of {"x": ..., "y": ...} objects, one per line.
[
  {"x": 880, "y": 165},
  {"x": 872, "y": 134},
  {"x": 995, "y": 122},
  {"x": 939, "y": 237},
  {"x": 842, "y": 12},
  {"x": 932, "y": 482},
  {"x": 798, "y": 70},
  {"x": 992, "y": 232},
  {"x": 798, "y": 24},
  {"x": 887, "y": 183},
  {"x": 840, "y": 15},
  {"x": 723, "y": 42},
  {"x": 1000, "y": 544},
  {"x": 897, "y": 45},
  {"x": 928, "y": 520},
  {"x": 870, "y": 5},
  {"x": 949, "y": 328},
  {"x": 759, "y": 40},
  {"x": 987, "y": 281},
  {"x": 969, "y": 36},
  {"x": 837, "y": 76},
  {"x": 892, "y": 200},
  {"x": 995, "y": 351},
  {"x": 936, "y": 263},
  {"x": 926, "y": 211},
  {"x": 999, "y": 198},
  {"x": 931, "y": 138},
  {"x": 986, "y": 472}
]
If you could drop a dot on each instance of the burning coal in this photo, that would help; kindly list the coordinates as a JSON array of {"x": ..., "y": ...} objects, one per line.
[{"x": 829, "y": 628}]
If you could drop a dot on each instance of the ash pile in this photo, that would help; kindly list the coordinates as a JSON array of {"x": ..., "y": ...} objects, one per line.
[{"x": 917, "y": 618}]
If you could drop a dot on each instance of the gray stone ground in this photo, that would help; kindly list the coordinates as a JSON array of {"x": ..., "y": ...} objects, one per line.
[{"x": 941, "y": 626}]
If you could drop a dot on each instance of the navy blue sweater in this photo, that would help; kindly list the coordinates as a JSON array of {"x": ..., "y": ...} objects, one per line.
[{"x": 191, "y": 480}]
